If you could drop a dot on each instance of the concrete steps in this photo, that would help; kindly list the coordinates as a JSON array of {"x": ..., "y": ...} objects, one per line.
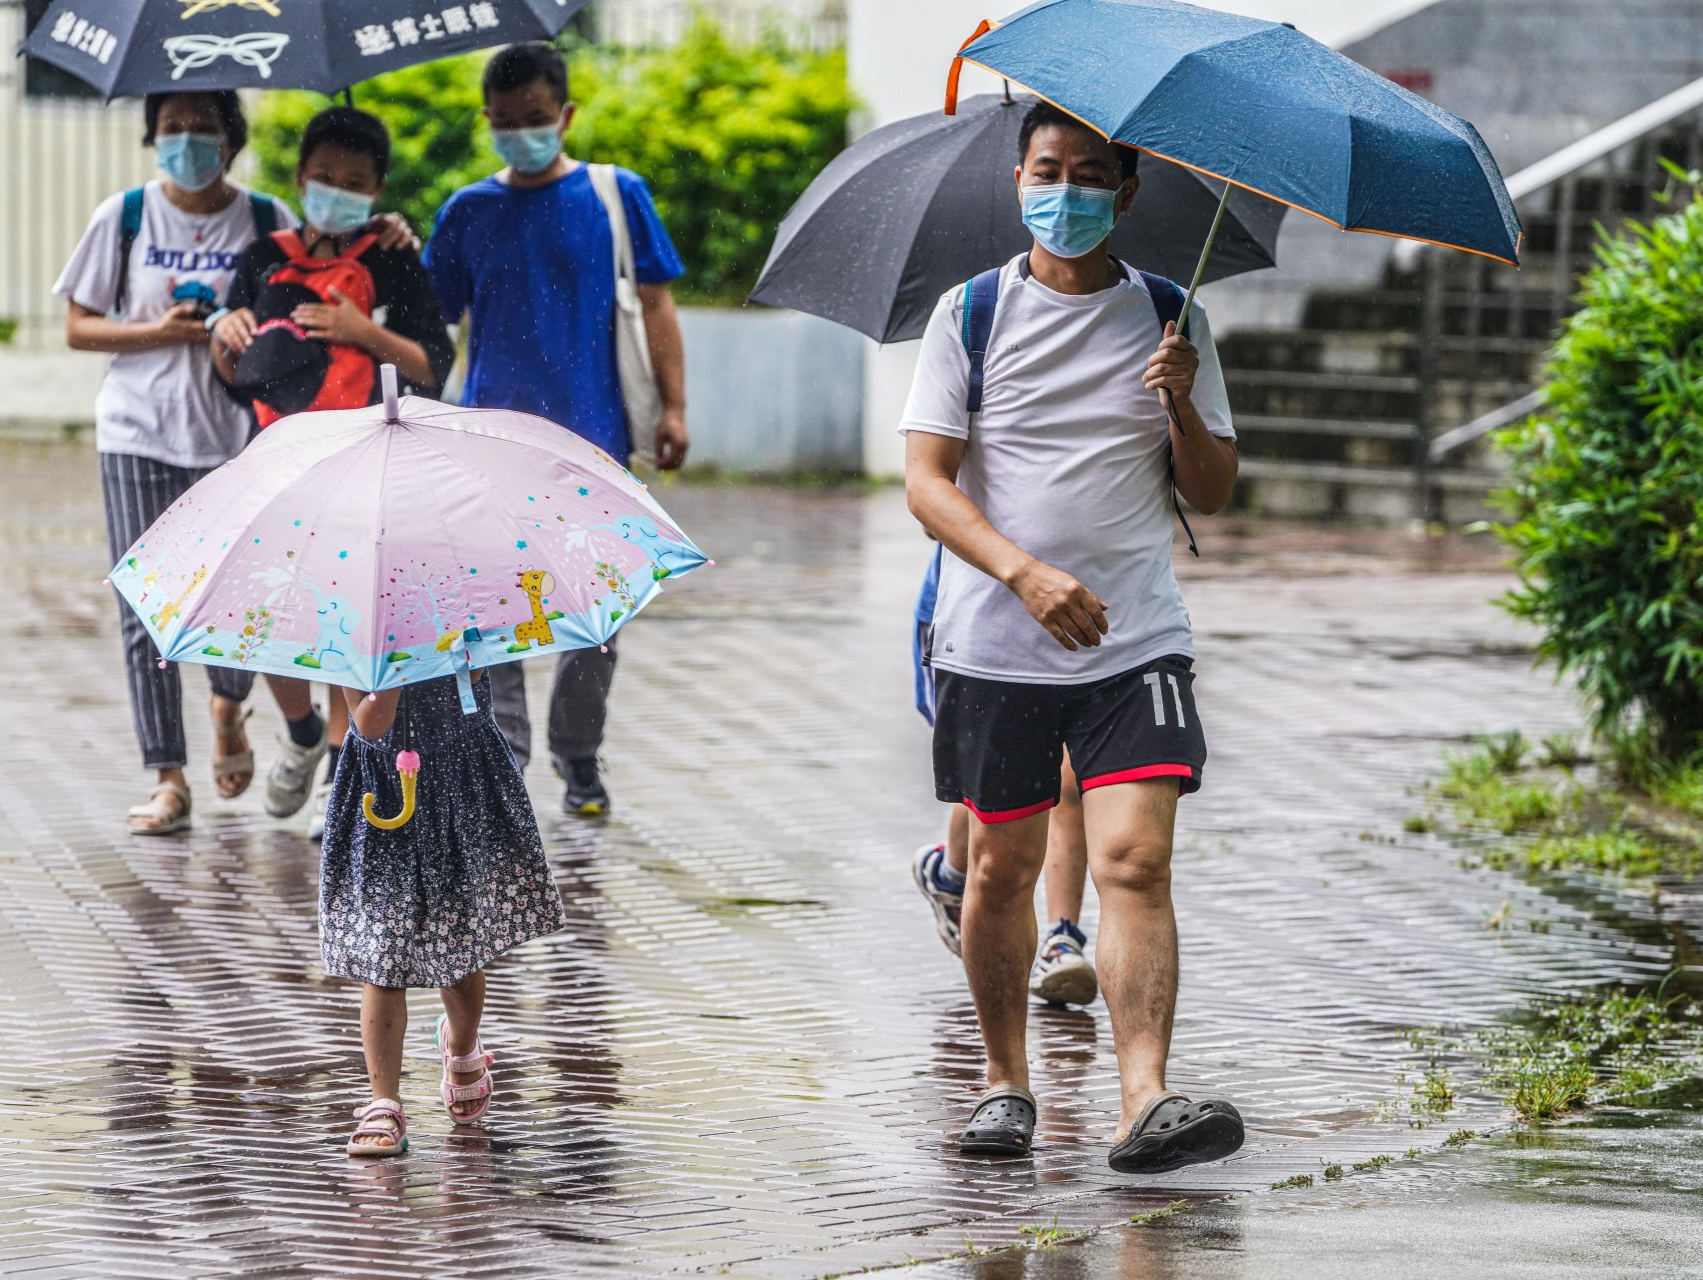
[{"x": 1328, "y": 410}]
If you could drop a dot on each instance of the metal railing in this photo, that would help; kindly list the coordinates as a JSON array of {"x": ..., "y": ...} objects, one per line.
[{"x": 1477, "y": 310}]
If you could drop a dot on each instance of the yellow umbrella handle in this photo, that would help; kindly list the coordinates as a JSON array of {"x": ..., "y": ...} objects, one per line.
[{"x": 408, "y": 767}]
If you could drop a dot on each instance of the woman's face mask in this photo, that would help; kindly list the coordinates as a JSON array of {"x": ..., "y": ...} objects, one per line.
[
  {"x": 193, "y": 161},
  {"x": 333, "y": 210},
  {"x": 1069, "y": 220}
]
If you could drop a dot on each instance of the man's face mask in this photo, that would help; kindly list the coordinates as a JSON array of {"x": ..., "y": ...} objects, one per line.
[{"x": 1069, "y": 220}]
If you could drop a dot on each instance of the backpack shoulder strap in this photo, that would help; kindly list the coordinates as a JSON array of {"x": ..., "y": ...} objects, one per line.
[
  {"x": 1168, "y": 298},
  {"x": 265, "y": 212},
  {"x": 289, "y": 244},
  {"x": 361, "y": 246},
  {"x": 981, "y": 297},
  {"x": 129, "y": 227}
]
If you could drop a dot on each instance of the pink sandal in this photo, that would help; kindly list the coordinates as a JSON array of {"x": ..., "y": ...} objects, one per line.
[
  {"x": 479, "y": 1090},
  {"x": 382, "y": 1118}
]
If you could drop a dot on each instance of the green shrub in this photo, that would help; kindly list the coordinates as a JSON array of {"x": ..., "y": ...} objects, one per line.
[
  {"x": 1607, "y": 487},
  {"x": 727, "y": 135}
]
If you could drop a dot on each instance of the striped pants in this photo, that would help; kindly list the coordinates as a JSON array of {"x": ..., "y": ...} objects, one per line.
[{"x": 137, "y": 492}]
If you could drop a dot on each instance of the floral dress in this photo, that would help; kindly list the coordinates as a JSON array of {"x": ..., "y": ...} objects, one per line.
[{"x": 462, "y": 882}]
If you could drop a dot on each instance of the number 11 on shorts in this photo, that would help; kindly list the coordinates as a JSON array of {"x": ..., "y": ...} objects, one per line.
[{"x": 1151, "y": 679}]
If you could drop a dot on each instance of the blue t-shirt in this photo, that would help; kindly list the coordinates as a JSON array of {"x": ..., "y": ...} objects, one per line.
[{"x": 535, "y": 267}]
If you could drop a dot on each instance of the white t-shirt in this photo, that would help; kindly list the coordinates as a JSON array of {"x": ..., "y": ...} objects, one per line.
[
  {"x": 1067, "y": 459},
  {"x": 166, "y": 403}
]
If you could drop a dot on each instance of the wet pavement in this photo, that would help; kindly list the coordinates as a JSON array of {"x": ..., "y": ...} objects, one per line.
[
  {"x": 1616, "y": 1196},
  {"x": 748, "y": 1055}
]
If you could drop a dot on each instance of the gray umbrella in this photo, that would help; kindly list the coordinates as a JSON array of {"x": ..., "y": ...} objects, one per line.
[{"x": 914, "y": 208}]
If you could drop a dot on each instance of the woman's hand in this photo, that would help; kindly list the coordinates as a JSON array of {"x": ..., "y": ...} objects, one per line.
[
  {"x": 235, "y": 329},
  {"x": 393, "y": 232},
  {"x": 338, "y": 321},
  {"x": 178, "y": 327}
]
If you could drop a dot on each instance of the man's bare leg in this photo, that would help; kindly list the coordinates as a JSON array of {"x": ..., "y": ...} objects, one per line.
[
  {"x": 1129, "y": 828},
  {"x": 999, "y": 937}
]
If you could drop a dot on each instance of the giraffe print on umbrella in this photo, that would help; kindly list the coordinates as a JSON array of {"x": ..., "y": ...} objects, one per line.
[{"x": 537, "y": 584}]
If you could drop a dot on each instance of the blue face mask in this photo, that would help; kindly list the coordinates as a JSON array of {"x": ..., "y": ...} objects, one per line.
[
  {"x": 1069, "y": 220},
  {"x": 193, "y": 161},
  {"x": 528, "y": 150},
  {"x": 333, "y": 210}
]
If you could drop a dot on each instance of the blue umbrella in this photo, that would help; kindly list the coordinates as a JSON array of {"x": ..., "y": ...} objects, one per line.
[{"x": 1258, "y": 105}]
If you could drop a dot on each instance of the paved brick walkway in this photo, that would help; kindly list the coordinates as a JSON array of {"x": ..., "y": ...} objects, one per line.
[{"x": 749, "y": 1055}]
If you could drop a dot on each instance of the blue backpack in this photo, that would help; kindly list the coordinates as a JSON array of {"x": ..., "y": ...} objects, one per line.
[
  {"x": 981, "y": 297},
  {"x": 130, "y": 226}
]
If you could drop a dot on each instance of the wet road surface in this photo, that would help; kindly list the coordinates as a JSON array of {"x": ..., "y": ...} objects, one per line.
[{"x": 748, "y": 1055}]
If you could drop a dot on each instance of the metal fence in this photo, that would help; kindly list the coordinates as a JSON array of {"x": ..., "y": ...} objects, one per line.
[{"x": 65, "y": 151}]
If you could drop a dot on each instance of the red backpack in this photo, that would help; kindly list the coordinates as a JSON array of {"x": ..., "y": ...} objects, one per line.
[{"x": 284, "y": 371}]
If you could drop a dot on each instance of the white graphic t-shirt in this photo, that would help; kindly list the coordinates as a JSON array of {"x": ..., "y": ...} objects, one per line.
[
  {"x": 1068, "y": 458},
  {"x": 166, "y": 403}
]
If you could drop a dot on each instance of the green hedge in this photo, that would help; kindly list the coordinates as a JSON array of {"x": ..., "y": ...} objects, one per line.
[
  {"x": 727, "y": 135},
  {"x": 1607, "y": 491}
]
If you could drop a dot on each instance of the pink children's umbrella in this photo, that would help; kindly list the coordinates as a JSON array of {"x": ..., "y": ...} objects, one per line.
[{"x": 391, "y": 545}]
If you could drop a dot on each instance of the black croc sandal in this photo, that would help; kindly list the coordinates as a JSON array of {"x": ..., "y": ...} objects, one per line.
[
  {"x": 1174, "y": 1132},
  {"x": 1003, "y": 1123}
]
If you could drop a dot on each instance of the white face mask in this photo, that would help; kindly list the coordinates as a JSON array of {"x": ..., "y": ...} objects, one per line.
[{"x": 334, "y": 210}]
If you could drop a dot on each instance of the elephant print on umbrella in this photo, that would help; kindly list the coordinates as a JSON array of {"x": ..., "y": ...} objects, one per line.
[{"x": 337, "y": 622}]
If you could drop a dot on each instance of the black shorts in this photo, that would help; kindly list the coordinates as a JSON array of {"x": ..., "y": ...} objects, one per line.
[{"x": 998, "y": 745}]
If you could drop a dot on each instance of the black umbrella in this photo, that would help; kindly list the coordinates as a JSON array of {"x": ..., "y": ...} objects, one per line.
[
  {"x": 919, "y": 206},
  {"x": 125, "y": 47}
]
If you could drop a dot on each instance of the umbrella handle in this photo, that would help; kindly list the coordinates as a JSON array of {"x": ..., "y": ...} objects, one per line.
[
  {"x": 387, "y": 381},
  {"x": 1205, "y": 254},
  {"x": 408, "y": 769}
]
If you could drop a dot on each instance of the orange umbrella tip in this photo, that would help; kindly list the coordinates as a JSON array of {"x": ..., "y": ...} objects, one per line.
[{"x": 982, "y": 28}]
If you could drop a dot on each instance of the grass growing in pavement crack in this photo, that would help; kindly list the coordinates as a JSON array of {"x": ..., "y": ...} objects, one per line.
[
  {"x": 1435, "y": 1093},
  {"x": 1371, "y": 1166},
  {"x": 1045, "y": 1237},
  {"x": 1634, "y": 818},
  {"x": 1299, "y": 1180},
  {"x": 1486, "y": 787},
  {"x": 1333, "y": 1173},
  {"x": 1459, "y": 1138},
  {"x": 1613, "y": 1046},
  {"x": 1158, "y": 1215}
]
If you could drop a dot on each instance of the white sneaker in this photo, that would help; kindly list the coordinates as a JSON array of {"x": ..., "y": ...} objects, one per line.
[
  {"x": 948, "y": 906},
  {"x": 316, "y": 811},
  {"x": 1062, "y": 974},
  {"x": 289, "y": 782}
]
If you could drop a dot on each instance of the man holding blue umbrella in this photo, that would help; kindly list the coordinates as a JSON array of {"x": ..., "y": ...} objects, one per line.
[{"x": 1053, "y": 405}]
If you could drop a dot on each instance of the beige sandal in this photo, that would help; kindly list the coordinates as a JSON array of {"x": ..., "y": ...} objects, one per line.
[
  {"x": 159, "y": 817},
  {"x": 238, "y": 762}
]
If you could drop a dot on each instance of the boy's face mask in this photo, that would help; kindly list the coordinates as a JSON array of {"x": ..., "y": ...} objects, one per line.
[
  {"x": 333, "y": 210},
  {"x": 528, "y": 150}
]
